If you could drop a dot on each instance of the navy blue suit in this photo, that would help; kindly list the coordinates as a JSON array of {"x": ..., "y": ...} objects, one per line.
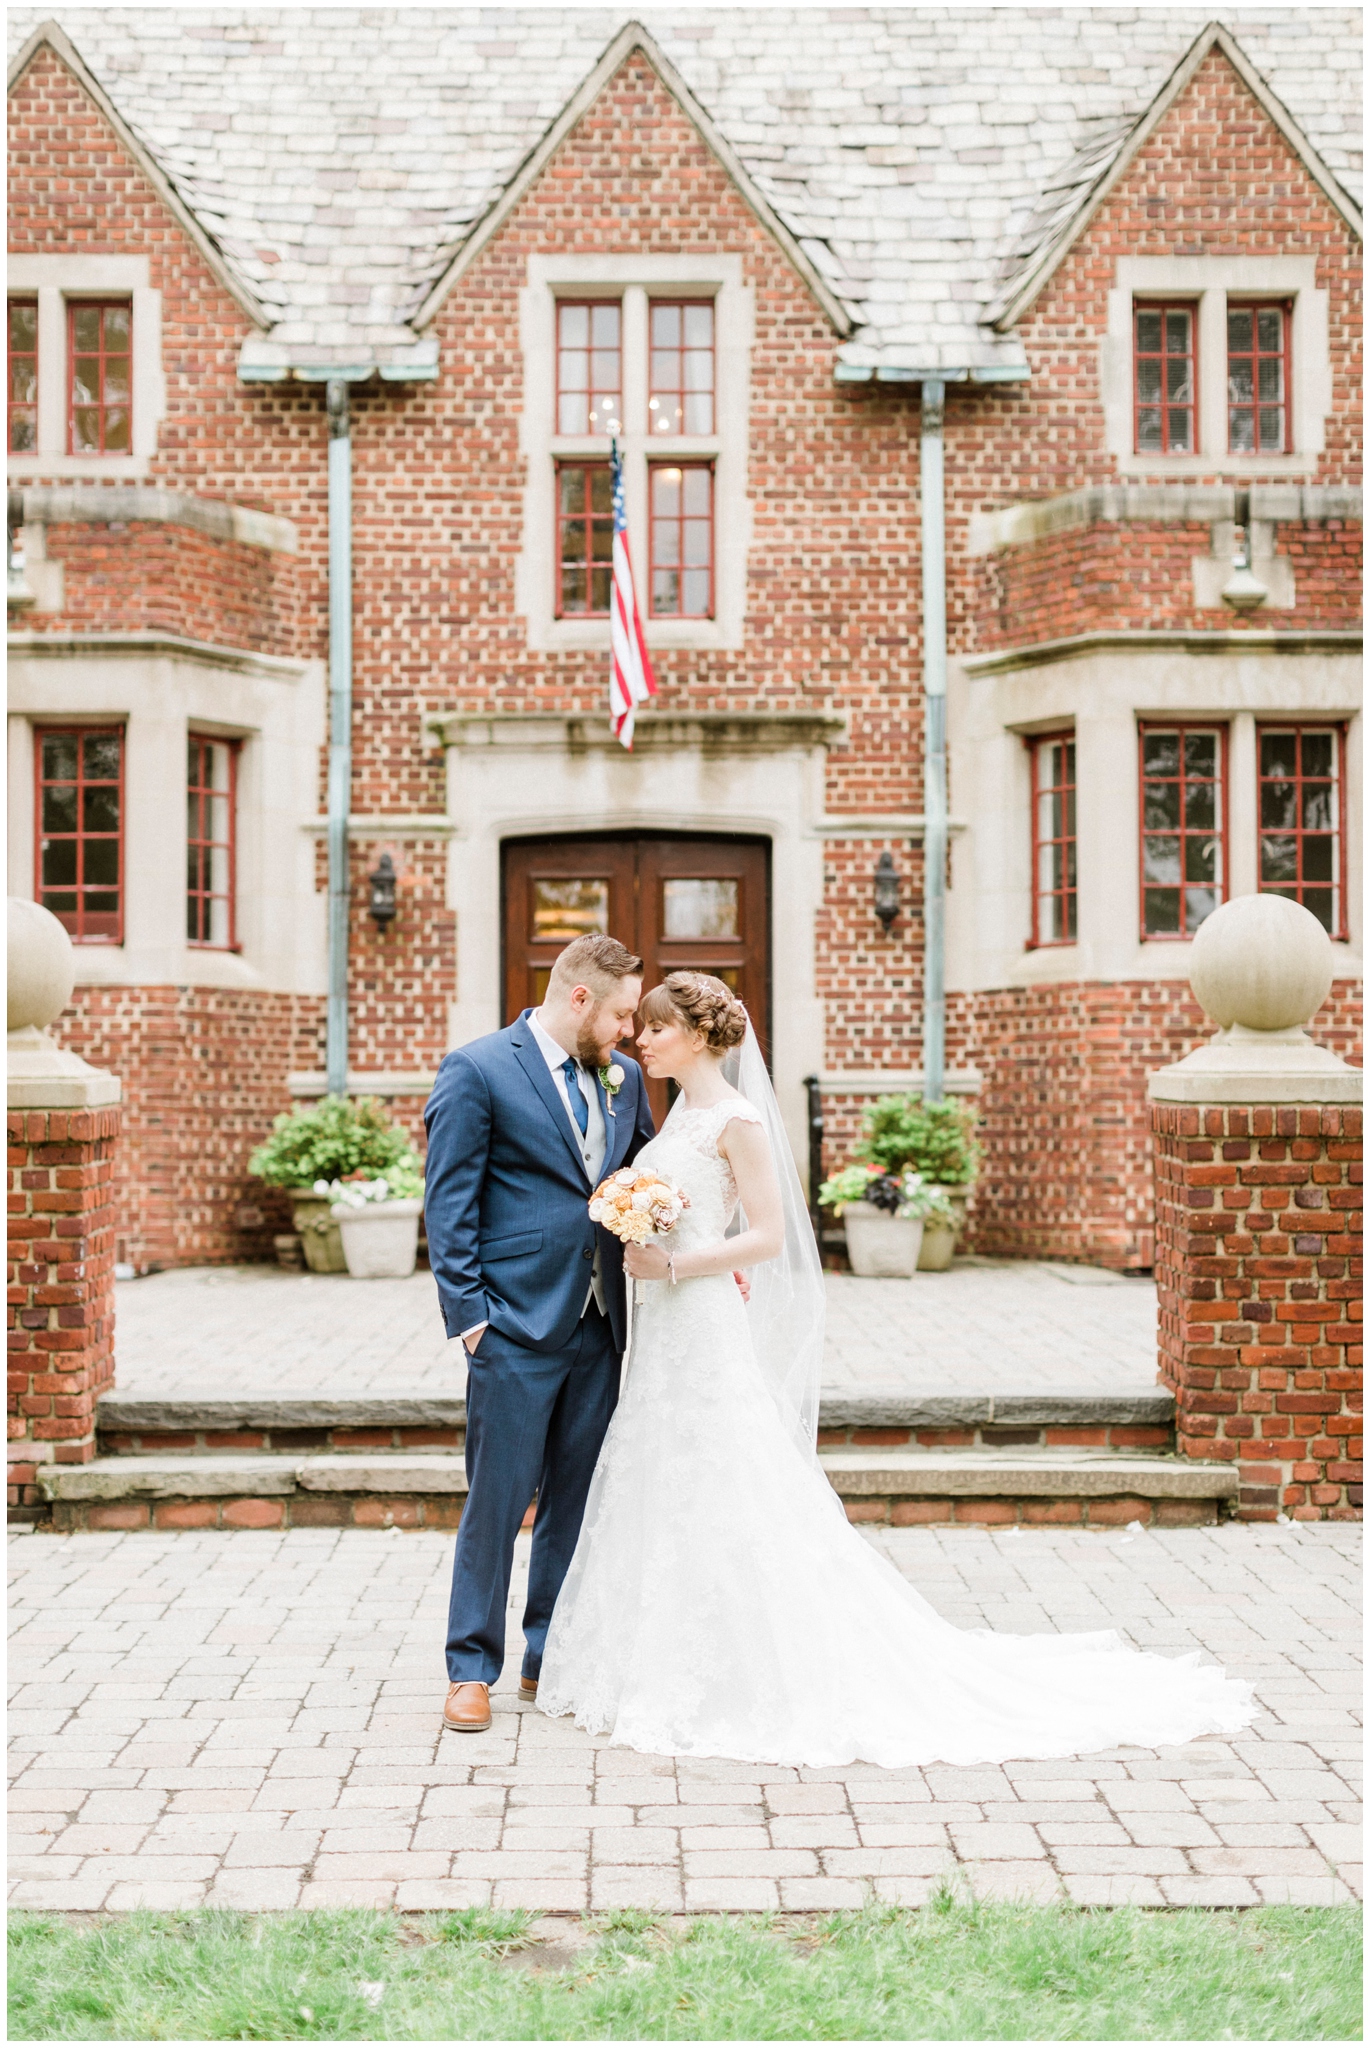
[{"x": 512, "y": 1245}]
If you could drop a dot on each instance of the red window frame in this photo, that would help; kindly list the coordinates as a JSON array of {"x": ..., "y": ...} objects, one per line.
[
  {"x": 1190, "y": 309},
  {"x": 101, "y": 405},
  {"x": 1255, "y": 355},
  {"x": 24, "y": 407},
  {"x": 597, "y": 524},
  {"x": 200, "y": 798},
  {"x": 1302, "y": 885},
  {"x": 1183, "y": 831},
  {"x": 658, "y": 526},
  {"x": 675, "y": 391},
  {"x": 1063, "y": 893},
  {"x": 590, "y": 391},
  {"x": 102, "y": 927}
]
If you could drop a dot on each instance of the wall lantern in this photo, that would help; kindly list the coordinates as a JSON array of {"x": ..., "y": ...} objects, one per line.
[
  {"x": 886, "y": 890},
  {"x": 382, "y": 880}
]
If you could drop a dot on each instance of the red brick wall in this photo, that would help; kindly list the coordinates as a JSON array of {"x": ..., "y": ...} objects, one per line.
[
  {"x": 1258, "y": 1228},
  {"x": 203, "y": 1072},
  {"x": 61, "y": 1284},
  {"x": 172, "y": 579}
]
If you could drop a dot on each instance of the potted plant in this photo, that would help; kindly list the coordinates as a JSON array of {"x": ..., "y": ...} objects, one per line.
[
  {"x": 936, "y": 1140},
  {"x": 884, "y": 1216},
  {"x": 327, "y": 1141},
  {"x": 378, "y": 1220}
]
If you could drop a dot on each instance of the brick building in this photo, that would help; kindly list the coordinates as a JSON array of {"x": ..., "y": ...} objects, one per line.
[{"x": 1107, "y": 262}]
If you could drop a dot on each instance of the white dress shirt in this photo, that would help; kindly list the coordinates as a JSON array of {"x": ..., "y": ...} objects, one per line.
[{"x": 592, "y": 1146}]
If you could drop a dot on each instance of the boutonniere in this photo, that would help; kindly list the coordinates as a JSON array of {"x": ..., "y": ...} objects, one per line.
[{"x": 611, "y": 1079}]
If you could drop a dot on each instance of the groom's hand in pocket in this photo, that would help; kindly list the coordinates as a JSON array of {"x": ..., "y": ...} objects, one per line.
[
  {"x": 744, "y": 1285},
  {"x": 471, "y": 1338}
]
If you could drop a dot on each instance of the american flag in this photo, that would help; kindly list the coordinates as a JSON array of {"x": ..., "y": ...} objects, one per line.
[{"x": 631, "y": 681}]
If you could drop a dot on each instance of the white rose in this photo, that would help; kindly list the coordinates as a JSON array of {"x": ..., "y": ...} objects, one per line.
[
  {"x": 625, "y": 1176},
  {"x": 642, "y": 1200},
  {"x": 596, "y": 1212},
  {"x": 616, "y": 1077}
]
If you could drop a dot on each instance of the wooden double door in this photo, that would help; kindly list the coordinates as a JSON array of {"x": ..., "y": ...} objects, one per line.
[{"x": 678, "y": 901}]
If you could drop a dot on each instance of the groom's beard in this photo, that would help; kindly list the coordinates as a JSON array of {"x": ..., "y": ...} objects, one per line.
[{"x": 588, "y": 1050}]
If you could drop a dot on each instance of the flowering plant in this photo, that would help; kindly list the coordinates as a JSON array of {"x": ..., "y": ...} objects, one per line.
[
  {"x": 401, "y": 1182},
  {"x": 906, "y": 1195},
  {"x": 634, "y": 1206},
  {"x": 611, "y": 1079}
]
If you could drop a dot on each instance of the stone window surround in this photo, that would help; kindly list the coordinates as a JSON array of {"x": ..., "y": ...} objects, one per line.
[
  {"x": 1102, "y": 696},
  {"x": 634, "y": 279},
  {"x": 55, "y": 280},
  {"x": 160, "y": 689},
  {"x": 1210, "y": 281}
]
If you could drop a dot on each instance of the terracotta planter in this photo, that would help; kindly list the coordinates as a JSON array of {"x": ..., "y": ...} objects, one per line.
[
  {"x": 380, "y": 1239},
  {"x": 939, "y": 1242},
  {"x": 879, "y": 1246},
  {"x": 313, "y": 1220}
]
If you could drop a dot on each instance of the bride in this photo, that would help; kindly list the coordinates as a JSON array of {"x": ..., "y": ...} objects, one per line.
[{"x": 719, "y": 1603}]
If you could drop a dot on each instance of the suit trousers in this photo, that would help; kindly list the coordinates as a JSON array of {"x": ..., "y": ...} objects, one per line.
[{"x": 534, "y": 1420}]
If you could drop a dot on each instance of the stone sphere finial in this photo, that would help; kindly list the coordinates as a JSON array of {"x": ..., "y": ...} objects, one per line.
[
  {"x": 41, "y": 966},
  {"x": 1263, "y": 962}
]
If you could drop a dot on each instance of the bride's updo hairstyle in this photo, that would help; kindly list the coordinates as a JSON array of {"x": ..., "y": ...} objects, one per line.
[{"x": 701, "y": 1002}]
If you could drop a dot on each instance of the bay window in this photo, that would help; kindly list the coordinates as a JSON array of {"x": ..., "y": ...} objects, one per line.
[{"x": 1184, "y": 827}]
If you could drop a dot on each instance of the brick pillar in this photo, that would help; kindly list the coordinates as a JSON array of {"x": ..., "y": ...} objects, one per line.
[
  {"x": 1257, "y": 1269},
  {"x": 61, "y": 1287},
  {"x": 1257, "y": 1145},
  {"x": 64, "y": 1120}
]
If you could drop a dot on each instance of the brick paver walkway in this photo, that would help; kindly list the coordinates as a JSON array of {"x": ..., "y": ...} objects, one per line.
[
  {"x": 984, "y": 1328},
  {"x": 252, "y": 1720}
]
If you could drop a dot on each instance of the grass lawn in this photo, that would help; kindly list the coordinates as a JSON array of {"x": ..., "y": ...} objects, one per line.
[{"x": 953, "y": 1971}]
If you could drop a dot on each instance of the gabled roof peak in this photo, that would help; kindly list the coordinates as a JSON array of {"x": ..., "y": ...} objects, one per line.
[
  {"x": 633, "y": 39},
  {"x": 50, "y": 36},
  {"x": 1071, "y": 200}
]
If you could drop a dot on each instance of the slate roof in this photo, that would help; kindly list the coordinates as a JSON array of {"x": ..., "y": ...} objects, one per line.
[{"x": 338, "y": 158}]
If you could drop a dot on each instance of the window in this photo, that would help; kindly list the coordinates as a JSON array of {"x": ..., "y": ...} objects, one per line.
[
  {"x": 23, "y": 376},
  {"x": 1164, "y": 384},
  {"x": 1257, "y": 379},
  {"x": 585, "y": 539},
  {"x": 1053, "y": 840},
  {"x": 680, "y": 398},
  {"x": 80, "y": 811},
  {"x": 101, "y": 345},
  {"x": 682, "y": 540},
  {"x": 1302, "y": 770},
  {"x": 589, "y": 368},
  {"x": 1184, "y": 827},
  {"x": 211, "y": 807}
]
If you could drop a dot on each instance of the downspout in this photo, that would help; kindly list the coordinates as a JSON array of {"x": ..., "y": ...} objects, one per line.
[
  {"x": 339, "y": 722},
  {"x": 932, "y": 508}
]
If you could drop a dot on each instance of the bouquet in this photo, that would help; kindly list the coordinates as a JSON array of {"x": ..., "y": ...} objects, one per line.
[{"x": 634, "y": 1206}]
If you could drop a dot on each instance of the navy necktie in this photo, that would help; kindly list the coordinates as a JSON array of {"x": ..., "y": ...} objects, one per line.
[{"x": 580, "y": 1109}]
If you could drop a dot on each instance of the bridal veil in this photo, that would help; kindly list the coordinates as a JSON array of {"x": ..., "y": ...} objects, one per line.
[{"x": 788, "y": 1300}]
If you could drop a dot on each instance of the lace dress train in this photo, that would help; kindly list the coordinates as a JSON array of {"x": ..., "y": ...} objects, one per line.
[{"x": 720, "y": 1604}]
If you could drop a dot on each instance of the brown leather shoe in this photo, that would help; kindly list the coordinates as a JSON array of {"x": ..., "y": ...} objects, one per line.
[
  {"x": 468, "y": 1707},
  {"x": 528, "y": 1688}
]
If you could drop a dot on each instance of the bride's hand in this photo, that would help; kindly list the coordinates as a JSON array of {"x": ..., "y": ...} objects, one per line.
[{"x": 646, "y": 1262}]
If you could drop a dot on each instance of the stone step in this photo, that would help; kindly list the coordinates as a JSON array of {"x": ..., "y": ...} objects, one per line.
[
  {"x": 247, "y": 1490},
  {"x": 402, "y": 1423}
]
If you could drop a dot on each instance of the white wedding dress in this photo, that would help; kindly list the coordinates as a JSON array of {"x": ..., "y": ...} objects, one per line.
[{"x": 720, "y": 1604}]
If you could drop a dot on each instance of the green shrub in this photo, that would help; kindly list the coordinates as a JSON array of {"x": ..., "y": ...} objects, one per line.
[
  {"x": 329, "y": 1141},
  {"x": 936, "y": 1139}
]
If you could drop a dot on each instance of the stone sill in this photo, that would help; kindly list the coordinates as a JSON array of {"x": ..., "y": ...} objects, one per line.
[{"x": 581, "y": 732}]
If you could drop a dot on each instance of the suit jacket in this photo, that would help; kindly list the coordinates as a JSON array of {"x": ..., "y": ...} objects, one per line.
[{"x": 505, "y": 1192}]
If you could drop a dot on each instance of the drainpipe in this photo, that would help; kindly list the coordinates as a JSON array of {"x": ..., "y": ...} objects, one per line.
[
  {"x": 339, "y": 722},
  {"x": 932, "y": 506}
]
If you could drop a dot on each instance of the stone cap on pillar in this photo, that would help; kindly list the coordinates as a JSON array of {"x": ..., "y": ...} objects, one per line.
[
  {"x": 1261, "y": 966},
  {"x": 42, "y": 974}
]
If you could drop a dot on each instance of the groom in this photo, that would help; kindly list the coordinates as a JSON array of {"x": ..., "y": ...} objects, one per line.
[{"x": 521, "y": 1129}]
